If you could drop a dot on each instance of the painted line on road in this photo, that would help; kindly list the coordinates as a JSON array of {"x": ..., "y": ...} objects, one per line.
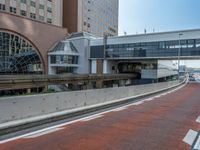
[
  {"x": 71, "y": 122},
  {"x": 190, "y": 137},
  {"x": 149, "y": 99},
  {"x": 137, "y": 103},
  {"x": 42, "y": 133},
  {"x": 158, "y": 96},
  {"x": 197, "y": 145},
  {"x": 164, "y": 94},
  {"x": 49, "y": 128},
  {"x": 198, "y": 119},
  {"x": 120, "y": 109},
  {"x": 91, "y": 118},
  {"x": 173, "y": 91}
]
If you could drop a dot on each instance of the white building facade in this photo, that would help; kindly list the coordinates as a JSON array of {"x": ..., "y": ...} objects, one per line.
[{"x": 149, "y": 56}]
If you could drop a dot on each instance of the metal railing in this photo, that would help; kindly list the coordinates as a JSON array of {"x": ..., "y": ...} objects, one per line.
[{"x": 9, "y": 82}]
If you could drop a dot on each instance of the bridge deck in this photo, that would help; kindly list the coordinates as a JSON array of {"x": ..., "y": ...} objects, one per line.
[
  {"x": 158, "y": 123},
  {"x": 8, "y": 82}
]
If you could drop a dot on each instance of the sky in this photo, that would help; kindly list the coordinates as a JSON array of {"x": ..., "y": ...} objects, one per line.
[{"x": 158, "y": 16}]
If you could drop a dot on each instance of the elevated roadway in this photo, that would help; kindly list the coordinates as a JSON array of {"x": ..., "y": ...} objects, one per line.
[
  {"x": 157, "y": 123},
  {"x": 11, "y": 82}
]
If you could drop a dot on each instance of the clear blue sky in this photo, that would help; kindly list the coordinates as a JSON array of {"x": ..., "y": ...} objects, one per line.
[{"x": 159, "y": 15}]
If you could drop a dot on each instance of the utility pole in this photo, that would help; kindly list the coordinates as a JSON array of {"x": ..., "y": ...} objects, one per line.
[
  {"x": 105, "y": 38},
  {"x": 179, "y": 53}
]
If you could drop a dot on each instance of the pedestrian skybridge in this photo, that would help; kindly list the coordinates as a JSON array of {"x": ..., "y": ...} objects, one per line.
[{"x": 167, "y": 45}]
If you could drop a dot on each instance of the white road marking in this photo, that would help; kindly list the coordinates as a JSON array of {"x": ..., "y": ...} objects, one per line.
[
  {"x": 197, "y": 145},
  {"x": 190, "y": 137},
  {"x": 43, "y": 133},
  {"x": 70, "y": 122},
  {"x": 198, "y": 119},
  {"x": 91, "y": 118},
  {"x": 49, "y": 128},
  {"x": 120, "y": 109},
  {"x": 37, "y": 132},
  {"x": 149, "y": 99},
  {"x": 158, "y": 96},
  {"x": 137, "y": 103}
]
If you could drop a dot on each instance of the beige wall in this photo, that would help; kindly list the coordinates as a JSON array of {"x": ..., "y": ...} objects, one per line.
[
  {"x": 41, "y": 35},
  {"x": 58, "y": 18}
]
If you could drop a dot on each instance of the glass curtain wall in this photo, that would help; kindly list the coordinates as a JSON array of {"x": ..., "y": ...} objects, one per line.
[
  {"x": 190, "y": 47},
  {"x": 18, "y": 55}
]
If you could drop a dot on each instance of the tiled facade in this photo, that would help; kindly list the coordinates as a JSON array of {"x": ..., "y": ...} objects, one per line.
[
  {"x": 100, "y": 16},
  {"x": 48, "y": 11},
  {"x": 97, "y": 17},
  {"x": 41, "y": 36}
]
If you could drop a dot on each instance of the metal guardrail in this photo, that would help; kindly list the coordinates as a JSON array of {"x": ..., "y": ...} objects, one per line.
[{"x": 11, "y": 82}]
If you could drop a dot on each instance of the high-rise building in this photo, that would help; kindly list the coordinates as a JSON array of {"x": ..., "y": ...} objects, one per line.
[
  {"x": 48, "y": 11},
  {"x": 97, "y": 17}
]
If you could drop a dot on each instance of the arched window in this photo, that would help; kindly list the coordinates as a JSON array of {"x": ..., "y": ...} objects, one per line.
[{"x": 18, "y": 55}]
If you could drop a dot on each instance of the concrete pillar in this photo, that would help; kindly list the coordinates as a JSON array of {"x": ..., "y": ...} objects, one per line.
[
  {"x": 49, "y": 66},
  {"x": 94, "y": 67},
  {"x": 28, "y": 91},
  {"x": 89, "y": 85},
  {"x": 105, "y": 67},
  {"x": 122, "y": 82},
  {"x": 45, "y": 89},
  {"x": 99, "y": 84}
]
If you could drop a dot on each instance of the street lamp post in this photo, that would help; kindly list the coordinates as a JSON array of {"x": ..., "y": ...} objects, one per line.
[{"x": 179, "y": 52}]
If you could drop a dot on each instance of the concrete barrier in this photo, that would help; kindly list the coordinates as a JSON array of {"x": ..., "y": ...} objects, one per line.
[{"x": 22, "y": 107}]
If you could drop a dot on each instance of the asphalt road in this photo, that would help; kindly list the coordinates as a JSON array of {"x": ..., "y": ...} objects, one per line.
[{"x": 159, "y": 123}]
